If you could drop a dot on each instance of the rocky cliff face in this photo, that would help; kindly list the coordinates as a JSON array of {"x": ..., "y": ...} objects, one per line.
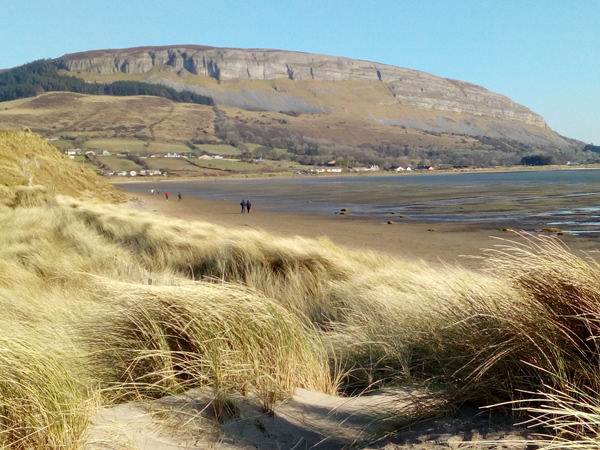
[{"x": 409, "y": 88}]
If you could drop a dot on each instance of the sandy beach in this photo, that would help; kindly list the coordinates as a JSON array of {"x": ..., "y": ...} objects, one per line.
[{"x": 461, "y": 244}]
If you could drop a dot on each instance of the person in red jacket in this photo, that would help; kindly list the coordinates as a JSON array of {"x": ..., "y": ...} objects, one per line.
[{"x": 167, "y": 195}]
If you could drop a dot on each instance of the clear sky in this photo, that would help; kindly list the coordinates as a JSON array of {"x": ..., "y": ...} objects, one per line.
[{"x": 544, "y": 54}]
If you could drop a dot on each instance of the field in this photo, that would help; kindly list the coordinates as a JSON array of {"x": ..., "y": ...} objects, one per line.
[
  {"x": 232, "y": 165},
  {"x": 119, "y": 163},
  {"x": 166, "y": 147},
  {"x": 181, "y": 167},
  {"x": 81, "y": 159},
  {"x": 116, "y": 145},
  {"x": 192, "y": 167},
  {"x": 219, "y": 149},
  {"x": 62, "y": 144}
]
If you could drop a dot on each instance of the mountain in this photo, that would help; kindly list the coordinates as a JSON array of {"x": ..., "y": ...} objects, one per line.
[
  {"x": 405, "y": 87},
  {"x": 316, "y": 106}
]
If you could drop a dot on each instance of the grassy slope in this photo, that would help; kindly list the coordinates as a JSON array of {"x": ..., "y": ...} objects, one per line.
[
  {"x": 27, "y": 159},
  {"x": 219, "y": 149},
  {"x": 160, "y": 120},
  {"x": 351, "y": 101},
  {"x": 116, "y": 145},
  {"x": 119, "y": 163},
  {"x": 157, "y": 119}
]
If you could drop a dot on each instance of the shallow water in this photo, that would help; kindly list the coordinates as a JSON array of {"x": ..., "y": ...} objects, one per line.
[{"x": 566, "y": 199}]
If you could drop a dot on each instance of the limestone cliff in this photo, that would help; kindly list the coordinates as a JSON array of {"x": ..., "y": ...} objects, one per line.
[
  {"x": 418, "y": 89},
  {"x": 276, "y": 80}
]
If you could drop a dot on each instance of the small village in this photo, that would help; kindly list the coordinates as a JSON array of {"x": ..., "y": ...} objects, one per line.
[{"x": 128, "y": 164}]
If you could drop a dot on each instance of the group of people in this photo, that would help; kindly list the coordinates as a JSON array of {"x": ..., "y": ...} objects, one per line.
[
  {"x": 246, "y": 205},
  {"x": 157, "y": 192}
]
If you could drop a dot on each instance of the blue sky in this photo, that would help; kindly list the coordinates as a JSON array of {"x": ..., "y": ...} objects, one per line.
[{"x": 543, "y": 54}]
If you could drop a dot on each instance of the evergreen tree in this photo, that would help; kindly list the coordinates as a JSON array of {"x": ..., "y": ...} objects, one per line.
[{"x": 42, "y": 76}]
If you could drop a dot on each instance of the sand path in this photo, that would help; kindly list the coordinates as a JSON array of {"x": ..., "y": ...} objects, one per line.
[{"x": 308, "y": 420}]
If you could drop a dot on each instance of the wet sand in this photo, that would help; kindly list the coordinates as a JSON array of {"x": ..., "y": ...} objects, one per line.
[{"x": 436, "y": 244}]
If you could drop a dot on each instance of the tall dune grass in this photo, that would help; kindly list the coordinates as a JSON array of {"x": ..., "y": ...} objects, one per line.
[
  {"x": 149, "y": 306},
  {"x": 43, "y": 404},
  {"x": 161, "y": 339},
  {"x": 27, "y": 159}
]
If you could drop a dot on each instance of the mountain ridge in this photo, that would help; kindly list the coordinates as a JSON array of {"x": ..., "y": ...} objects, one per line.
[{"x": 419, "y": 89}]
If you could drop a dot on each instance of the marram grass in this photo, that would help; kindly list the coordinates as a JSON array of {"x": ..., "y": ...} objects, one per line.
[
  {"x": 108, "y": 304},
  {"x": 168, "y": 338}
]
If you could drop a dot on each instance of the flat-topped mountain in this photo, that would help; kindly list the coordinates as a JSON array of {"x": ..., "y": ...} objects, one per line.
[{"x": 405, "y": 87}]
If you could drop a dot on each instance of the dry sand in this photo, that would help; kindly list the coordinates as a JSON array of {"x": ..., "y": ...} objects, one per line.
[
  {"x": 308, "y": 420},
  {"x": 436, "y": 244}
]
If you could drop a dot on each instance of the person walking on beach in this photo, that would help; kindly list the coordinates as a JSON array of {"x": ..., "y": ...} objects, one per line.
[
  {"x": 167, "y": 196},
  {"x": 248, "y": 206},
  {"x": 243, "y": 205},
  {"x": 179, "y": 196}
]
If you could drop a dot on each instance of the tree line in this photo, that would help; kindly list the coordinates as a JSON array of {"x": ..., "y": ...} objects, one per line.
[
  {"x": 592, "y": 148},
  {"x": 42, "y": 76}
]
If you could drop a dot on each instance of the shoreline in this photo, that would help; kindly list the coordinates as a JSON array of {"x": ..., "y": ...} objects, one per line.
[
  {"x": 438, "y": 244},
  {"x": 261, "y": 176}
]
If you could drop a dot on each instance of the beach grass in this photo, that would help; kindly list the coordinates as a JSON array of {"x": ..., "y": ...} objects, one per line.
[{"x": 103, "y": 304}]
